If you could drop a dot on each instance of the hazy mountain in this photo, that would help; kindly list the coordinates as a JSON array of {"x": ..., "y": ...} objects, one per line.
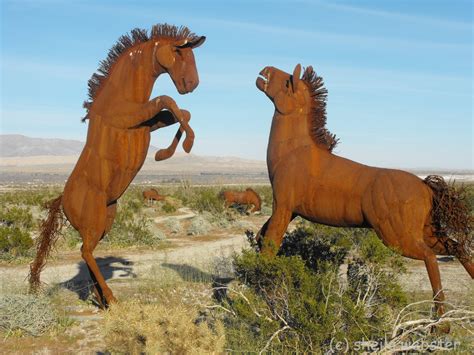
[
  {"x": 26, "y": 158},
  {"x": 17, "y": 145}
]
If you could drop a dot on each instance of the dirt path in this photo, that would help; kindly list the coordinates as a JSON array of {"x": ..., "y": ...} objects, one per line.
[
  {"x": 185, "y": 213},
  {"x": 122, "y": 265}
]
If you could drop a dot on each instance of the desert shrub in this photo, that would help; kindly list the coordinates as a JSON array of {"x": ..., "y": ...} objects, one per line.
[
  {"x": 299, "y": 302},
  {"x": 168, "y": 207},
  {"x": 174, "y": 225},
  {"x": 17, "y": 216},
  {"x": 199, "y": 225},
  {"x": 207, "y": 199},
  {"x": 30, "y": 197},
  {"x": 130, "y": 228},
  {"x": 302, "y": 308},
  {"x": 135, "y": 328},
  {"x": 26, "y": 313},
  {"x": 14, "y": 242},
  {"x": 320, "y": 247}
]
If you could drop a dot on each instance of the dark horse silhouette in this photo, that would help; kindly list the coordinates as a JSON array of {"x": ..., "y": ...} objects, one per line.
[{"x": 109, "y": 265}]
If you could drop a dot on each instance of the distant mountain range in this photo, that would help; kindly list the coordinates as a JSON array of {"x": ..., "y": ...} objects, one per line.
[
  {"x": 17, "y": 145},
  {"x": 25, "y": 156}
]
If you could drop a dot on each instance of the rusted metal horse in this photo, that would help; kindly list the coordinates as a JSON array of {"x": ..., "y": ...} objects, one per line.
[
  {"x": 152, "y": 195},
  {"x": 121, "y": 118},
  {"x": 419, "y": 218},
  {"x": 248, "y": 197}
]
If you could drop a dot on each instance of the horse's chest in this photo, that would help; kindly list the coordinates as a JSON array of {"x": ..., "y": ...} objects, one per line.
[{"x": 125, "y": 149}]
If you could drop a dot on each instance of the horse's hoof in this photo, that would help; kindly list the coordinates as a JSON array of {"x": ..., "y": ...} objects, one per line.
[
  {"x": 162, "y": 154},
  {"x": 188, "y": 144},
  {"x": 110, "y": 301}
]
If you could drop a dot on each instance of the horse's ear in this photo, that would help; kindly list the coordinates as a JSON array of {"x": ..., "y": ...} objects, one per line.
[
  {"x": 186, "y": 43},
  {"x": 295, "y": 78}
]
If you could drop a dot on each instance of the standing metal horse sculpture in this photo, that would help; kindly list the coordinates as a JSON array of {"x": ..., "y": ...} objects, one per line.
[
  {"x": 151, "y": 195},
  {"x": 419, "y": 218},
  {"x": 248, "y": 197},
  {"x": 121, "y": 118}
]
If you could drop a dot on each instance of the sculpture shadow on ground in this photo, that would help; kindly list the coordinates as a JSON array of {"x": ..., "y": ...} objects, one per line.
[
  {"x": 193, "y": 274},
  {"x": 110, "y": 266}
]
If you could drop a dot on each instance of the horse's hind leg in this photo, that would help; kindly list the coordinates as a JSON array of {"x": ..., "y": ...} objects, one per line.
[
  {"x": 111, "y": 211},
  {"x": 469, "y": 266},
  {"x": 435, "y": 279},
  {"x": 91, "y": 235}
]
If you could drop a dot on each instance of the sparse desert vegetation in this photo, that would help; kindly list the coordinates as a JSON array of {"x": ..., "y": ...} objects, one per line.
[{"x": 185, "y": 285}]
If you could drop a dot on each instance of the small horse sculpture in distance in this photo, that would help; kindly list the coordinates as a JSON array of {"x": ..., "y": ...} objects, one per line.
[
  {"x": 419, "y": 218},
  {"x": 248, "y": 197},
  {"x": 121, "y": 118},
  {"x": 152, "y": 195}
]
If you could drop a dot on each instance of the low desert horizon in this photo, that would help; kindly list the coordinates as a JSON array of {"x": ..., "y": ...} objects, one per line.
[{"x": 26, "y": 159}]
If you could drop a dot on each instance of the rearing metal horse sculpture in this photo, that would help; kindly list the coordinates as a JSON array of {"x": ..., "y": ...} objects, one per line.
[
  {"x": 121, "y": 118},
  {"x": 418, "y": 218}
]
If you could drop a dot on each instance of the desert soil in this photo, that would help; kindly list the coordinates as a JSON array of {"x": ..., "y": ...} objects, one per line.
[{"x": 123, "y": 267}]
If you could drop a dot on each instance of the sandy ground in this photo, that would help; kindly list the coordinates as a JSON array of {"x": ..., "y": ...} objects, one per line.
[{"x": 122, "y": 267}]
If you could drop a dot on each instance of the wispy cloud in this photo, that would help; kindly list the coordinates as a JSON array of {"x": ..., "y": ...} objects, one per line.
[
  {"x": 397, "y": 16},
  {"x": 340, "y": 38}
]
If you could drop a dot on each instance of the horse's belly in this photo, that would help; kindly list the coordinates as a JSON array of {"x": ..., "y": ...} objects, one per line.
[{"x": 332, "y": 209}]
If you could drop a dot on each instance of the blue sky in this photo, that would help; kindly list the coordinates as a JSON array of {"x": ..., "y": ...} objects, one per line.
[{"x": 399, "y": 73}]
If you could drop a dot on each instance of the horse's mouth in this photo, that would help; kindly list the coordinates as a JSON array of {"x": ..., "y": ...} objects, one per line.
[{"x": 262, "y": 81}]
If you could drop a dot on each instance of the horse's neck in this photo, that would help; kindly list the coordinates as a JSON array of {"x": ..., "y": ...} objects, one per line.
[
  {"x": 132, "y": 77},
  {"x": 288, "y": 133}
]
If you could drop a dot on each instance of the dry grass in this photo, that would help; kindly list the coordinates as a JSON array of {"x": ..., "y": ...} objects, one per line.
[
  {"x": 26, "y": 313},
  {"x": 134, "y": 328}
]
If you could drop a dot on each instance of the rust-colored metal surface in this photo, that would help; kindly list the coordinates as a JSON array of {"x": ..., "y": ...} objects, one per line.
[
  {"x": 311, "y": 182},
  {"x": 248, "y": 197},
  {"x": 152, "y": 195},
  {"x": 121, "y": 118}
]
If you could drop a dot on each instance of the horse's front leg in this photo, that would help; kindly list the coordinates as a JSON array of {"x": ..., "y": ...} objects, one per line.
[
  {"x": 136, "y": 115},
  {"x": 181, "y": 116},
  {"x": 274, "y": 230},
  {"x": 168, "y": 119}
]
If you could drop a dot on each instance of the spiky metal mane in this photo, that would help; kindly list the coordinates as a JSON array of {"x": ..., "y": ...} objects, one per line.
[
  {"x": 318, "y": 94},
  {"x": 135, "y": 37}
]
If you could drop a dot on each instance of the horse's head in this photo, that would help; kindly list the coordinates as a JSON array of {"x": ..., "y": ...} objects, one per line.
[
  {"x": 284, "y": 90},
  {"x": 177, "y": 59}
]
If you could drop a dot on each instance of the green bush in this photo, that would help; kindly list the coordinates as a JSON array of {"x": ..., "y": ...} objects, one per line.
[
  {"x": 320, "y": 247},
  {"x": 17, "y": 216},
  {"x": 207, "y": 199},
  {"x": 168, "y": 208},
  {"x": 131, "y": 227},
  {"x": 299, "y": 300},
  {"x": 308, "y": 308},
  {"x": 14, "y": 242}
]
